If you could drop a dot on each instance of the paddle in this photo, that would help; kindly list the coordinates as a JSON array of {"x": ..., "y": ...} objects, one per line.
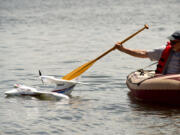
[{"x": 78, "y": 71}]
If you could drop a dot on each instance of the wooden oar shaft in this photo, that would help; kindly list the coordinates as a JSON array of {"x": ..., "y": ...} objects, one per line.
[
  {"x": 145, "y": 27},
  {"x": 104, "y": 54},
  {"x": 78, "y": 71}
]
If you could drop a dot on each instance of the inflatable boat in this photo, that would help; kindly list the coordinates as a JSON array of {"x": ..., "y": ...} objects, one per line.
[{"x": 145, "y": 85}]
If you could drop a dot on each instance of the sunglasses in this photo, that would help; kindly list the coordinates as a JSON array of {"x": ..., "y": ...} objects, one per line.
[{"x": 173, "y": 42}]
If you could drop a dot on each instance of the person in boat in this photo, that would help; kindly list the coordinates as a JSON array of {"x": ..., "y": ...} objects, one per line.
[{"x": 168, "y": 56}]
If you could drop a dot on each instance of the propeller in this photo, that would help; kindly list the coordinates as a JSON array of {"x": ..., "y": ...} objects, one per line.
[{"x": 40, "y": 74}]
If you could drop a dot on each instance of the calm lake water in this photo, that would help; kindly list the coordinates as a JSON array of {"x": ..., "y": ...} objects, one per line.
[{"x": 58, "y": 36}]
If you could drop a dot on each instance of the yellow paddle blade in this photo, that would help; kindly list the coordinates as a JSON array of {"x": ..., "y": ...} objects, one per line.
[{"x": 78, "y": 71}]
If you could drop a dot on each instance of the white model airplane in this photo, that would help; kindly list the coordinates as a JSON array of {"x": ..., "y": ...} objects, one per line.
[{"x": 63, "y": 88}]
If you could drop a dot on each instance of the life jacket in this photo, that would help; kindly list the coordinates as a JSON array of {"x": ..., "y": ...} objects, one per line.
[{"x": 164, "y": 57}]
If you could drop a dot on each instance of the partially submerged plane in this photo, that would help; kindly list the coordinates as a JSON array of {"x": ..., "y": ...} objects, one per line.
[{"x": 63, "y": 88}]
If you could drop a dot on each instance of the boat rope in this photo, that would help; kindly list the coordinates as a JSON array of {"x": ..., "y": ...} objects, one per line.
[
  {"x": 142, "y": 69},
  {"x": 142, "y": 72},
  {"x": 139, "y": 83},
  {"x": 148, "y": 65}
]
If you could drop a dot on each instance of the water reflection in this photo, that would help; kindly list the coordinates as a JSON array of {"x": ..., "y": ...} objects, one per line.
[
  {"x": 153, "y": 108},
  {"x": 154, "y": 118}
]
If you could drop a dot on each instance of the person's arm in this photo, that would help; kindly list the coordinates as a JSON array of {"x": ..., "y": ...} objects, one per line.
[{"x": 135, "y": 53}]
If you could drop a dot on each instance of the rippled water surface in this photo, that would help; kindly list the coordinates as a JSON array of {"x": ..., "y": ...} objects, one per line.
[{"x": 57, "y": 36}]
